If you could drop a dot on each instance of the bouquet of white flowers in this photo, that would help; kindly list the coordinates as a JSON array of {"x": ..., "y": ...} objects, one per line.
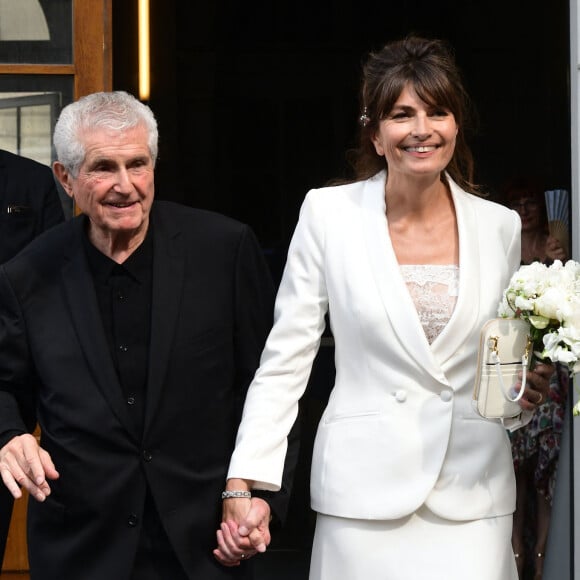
[{"x": 548, "y": 298}]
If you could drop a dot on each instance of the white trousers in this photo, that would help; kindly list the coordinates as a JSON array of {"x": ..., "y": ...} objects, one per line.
[{"x": 422, "y": 546}]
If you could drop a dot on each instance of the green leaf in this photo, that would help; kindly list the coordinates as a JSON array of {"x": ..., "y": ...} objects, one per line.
[{"x": 539, "y": 322}]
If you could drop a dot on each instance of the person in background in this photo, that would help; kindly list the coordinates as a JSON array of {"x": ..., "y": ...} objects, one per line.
[
  {"x": 131, "y": 333},
  {"x": 29, "y": 202},
  {"x": 536, "y": 446},
  {"x": 29, "y": 205},
  {"x": 526, "y": 196},
  {"x": 407, "y": 480}
]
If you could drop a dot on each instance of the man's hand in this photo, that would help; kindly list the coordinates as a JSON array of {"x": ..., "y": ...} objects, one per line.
[
  {"x": 244, "y": 530},
  {"x": 23, "y": 463}
]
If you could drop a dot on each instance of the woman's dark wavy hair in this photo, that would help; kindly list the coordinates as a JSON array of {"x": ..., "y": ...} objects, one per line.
[{"x": 429, "y": 66}]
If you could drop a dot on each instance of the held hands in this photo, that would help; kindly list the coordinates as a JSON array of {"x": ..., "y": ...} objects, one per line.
[
  {"x": 244, "y": 530},
  {"x": 23, "y": 463},
  {"x": 537, "y": 386}
]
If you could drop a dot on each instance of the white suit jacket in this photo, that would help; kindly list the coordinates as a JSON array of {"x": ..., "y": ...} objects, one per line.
[{"x": 399, "y": 430}]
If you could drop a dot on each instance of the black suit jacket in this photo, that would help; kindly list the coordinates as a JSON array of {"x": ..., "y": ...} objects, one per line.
[
  {"x": 29, "y": 202},
  {"x": 212, "y": 303}
]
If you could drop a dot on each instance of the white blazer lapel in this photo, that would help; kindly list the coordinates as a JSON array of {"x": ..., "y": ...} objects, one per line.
[
  {"x": 466, "y": 311},
  {"x": 395, "y": 297}
]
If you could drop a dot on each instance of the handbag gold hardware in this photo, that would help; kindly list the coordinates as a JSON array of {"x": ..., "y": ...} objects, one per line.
[{"x": 504, "y": 351}]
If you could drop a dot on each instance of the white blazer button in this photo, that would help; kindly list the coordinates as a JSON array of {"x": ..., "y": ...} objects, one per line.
[
  {"x": 446, "y": 396},
  {"x": 401, "y": 396}
]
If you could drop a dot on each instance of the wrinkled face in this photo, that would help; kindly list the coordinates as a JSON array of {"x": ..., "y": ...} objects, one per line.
[
  {"x": 530, "y": 211},
  {"x": 416, "y": 138},
  {"x": 115, "y": 185}
]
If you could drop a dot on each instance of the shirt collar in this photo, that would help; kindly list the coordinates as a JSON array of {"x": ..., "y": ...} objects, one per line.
[{"x": 137, "y": 265}]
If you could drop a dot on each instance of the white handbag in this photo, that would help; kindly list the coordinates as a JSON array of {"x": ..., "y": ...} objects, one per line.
[{"x": 505, "y": 350}]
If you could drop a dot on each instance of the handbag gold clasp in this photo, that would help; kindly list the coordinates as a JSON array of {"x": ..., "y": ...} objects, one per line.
[
  {"x": 492, "y": 344},
  {"x": 529, "y": 345}
]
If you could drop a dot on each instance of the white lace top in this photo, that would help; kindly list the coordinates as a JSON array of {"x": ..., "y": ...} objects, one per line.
[{"x": 433, "y": 289}]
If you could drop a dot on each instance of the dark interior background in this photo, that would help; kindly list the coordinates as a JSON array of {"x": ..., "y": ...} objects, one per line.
[{"x": 257, "y": 102}]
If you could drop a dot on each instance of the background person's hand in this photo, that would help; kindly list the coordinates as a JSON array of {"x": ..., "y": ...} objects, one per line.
[
  {"x": 537, "y": 386},
  {"x": 23, "y": 463},
  {"x": 555, "y": 250}
]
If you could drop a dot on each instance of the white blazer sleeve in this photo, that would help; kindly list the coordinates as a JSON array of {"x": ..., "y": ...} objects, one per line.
[{"x": 271, "y": 404}]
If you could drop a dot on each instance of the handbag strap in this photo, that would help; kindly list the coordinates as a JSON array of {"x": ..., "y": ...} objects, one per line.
[{"x": 497, "y": 363}]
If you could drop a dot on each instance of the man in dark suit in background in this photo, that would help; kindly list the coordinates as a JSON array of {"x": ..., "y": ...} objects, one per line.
[
  {"x": 132, "y": 332},
  {"x": 29, "y": 205},
  {"x": 29, "y": 202}
]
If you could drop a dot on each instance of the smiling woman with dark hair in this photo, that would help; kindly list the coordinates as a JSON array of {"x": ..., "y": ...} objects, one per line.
[{"x": 408, "y": 482}]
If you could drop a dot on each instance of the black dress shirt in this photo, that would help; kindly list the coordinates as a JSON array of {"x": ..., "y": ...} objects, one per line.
[{"x": 124, "y": 297}]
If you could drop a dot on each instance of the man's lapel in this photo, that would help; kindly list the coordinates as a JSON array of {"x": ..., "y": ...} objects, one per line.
[
  {"x": 166, "y": 296},
  {"x": 82, "y": 301}
]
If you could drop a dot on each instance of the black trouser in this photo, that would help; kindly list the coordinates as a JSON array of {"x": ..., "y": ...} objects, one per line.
[
  {"x": 6, "y": 503},
  {"x": 155, "y": 559}
]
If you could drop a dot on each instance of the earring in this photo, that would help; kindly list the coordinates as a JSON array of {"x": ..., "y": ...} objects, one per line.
[{"x": 364, "y": 119}]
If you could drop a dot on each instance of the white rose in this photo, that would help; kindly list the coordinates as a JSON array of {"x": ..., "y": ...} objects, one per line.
[
  {"x": 571, "y": 311},
  {"x": 524, "y": 303},
  {"x": 549, "y": 304}
]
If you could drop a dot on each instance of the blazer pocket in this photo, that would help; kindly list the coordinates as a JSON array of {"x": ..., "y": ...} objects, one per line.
[
  {"x": 351, "y": 451},
  {"x": 18, "y": 224},
  {"x": 341, "y": 417},
  {"x": 11, "y": 219},
  {"x": 17, "y": 229}
]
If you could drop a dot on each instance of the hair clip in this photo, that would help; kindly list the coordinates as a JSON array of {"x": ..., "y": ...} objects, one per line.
[{"x": 364, "y": 119}]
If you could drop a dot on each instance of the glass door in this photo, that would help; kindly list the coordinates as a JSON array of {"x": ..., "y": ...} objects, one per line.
[{"x": 51, "y": 52}]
